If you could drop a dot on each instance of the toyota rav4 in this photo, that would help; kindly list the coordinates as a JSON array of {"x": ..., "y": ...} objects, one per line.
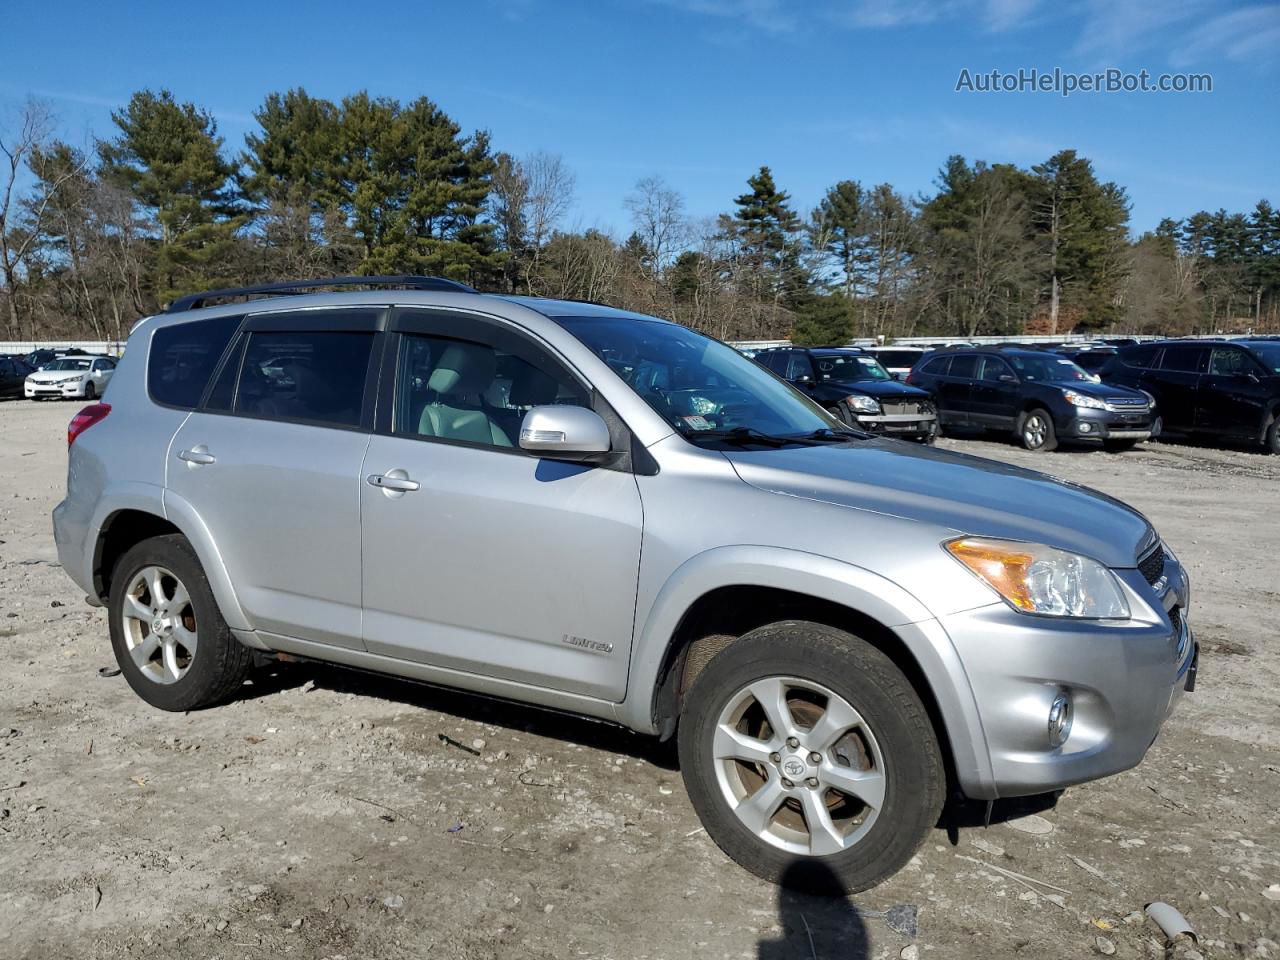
[{"x": 611, "y": 514}]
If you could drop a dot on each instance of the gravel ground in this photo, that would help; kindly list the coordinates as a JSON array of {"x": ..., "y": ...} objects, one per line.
[{"x": 321, "y": 814}]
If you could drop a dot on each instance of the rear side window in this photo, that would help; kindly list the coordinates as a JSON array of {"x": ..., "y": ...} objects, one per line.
[
  {"x": 318, "y": 376},
  {"x": 965, "y": 366},
  {"x": 183, "y": 357},
  {"x": 936, "y": 367},
  {"x": 1183, "y": 359},
  {"x": 1230, "y": 362},
  {"x": 1141, "y": 357}
]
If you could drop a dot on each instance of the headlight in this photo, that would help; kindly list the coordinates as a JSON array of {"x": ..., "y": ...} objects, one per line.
[
  {"x": 1037, "y": 579},
  {"x": 1080, "y": 400},
  {"x": 702, "y": 406},
  {"x": 862, "y": 404}
]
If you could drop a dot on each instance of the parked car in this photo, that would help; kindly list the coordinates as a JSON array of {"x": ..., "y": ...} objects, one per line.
[
  {"x": 1038, "y": 396},
  {"x": 1218, "y": 388},
  {"x": 41, "y": 358},
  {"x": 897, "y": 360},
  {"x": 81, "y": 377},
  {"x": 1090, "y": 359},
  {"x": 13, "y": 371},
  {"x": 855, "y": 388},
  {"x": 455, "y": 487}
]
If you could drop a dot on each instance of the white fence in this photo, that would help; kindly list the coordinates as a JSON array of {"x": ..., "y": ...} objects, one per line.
[{"x": 110, "y": 347}]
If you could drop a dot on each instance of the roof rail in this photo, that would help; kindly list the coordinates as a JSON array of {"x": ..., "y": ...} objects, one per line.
[{"x": 293, "y": 287}]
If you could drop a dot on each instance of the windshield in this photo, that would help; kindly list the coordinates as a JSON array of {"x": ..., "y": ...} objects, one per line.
[
  {"x": 1047, "y": 368},
  {"x": 1269, "y": 354},
  {"x": 700, "y": 386},
  {"x": 848, "y": 366},
  {"x": 68, "y": 363},
  {"x": 898, "y": 358}
]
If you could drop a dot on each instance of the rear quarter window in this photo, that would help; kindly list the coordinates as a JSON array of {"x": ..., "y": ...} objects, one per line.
[
  {"x": 183, "y": 358},
  {"x": 1143, "y": 358},
  {"x": 936, "y": 367}
]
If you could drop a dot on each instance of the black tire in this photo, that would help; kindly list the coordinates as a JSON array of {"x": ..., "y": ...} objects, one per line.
[
  {"x": 1040, "y": 440},
  {"x": 914, "y": 777},
  {"x": 1272, "y": 439},
  {"x": 841, "y": 414},
  {"x": 1118, "y": 446},
  {"x": 90, "y": 392},
  {"x": 220, "y": 663}
]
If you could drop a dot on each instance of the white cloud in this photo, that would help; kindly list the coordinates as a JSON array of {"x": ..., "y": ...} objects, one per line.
[
  {"x": 1008, "y": 14},
  {"x": 1250, "y": 35},
  {"x": 770, "y": 16}
]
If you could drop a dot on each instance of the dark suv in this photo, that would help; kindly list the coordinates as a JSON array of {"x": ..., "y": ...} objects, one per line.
[
  {"x": 1228, "y": 389},
  {"x": 853, "y": 386},
  {"x": 1040, "y": 397}
]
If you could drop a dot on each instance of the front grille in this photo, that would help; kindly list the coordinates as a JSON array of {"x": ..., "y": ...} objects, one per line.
[
  {"x": 1152, "y": 565},
  {"x": 914, "y": 407},
  {"x": 1128, "y": 401}
]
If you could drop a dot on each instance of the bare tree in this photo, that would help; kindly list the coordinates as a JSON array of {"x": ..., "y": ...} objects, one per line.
[
  {"x": 508, "y": 207},
  {"x": 657, "y": 211},
  {"x": 18, "y": 240},
  {"x": 550, "y": 195}
]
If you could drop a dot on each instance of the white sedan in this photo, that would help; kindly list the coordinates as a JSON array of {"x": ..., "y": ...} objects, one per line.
[{"x": 79, "y": 377}]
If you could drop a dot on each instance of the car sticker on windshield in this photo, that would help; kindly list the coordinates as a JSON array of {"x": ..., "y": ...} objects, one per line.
[{"x": 697, "y": 422}]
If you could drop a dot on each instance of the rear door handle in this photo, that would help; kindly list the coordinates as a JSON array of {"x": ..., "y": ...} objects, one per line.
[
  {"x": 402, "y": 484},
  {"x": 197, "y": 455}
]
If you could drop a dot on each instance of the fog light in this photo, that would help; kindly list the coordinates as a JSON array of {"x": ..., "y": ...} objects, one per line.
[
  {"x": 1059, "y": 720},
  {"x": 1086, "y": 427}
]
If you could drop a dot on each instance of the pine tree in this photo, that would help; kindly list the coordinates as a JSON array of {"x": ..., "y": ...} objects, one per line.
[
  {"x": 168, "y": 156},
  {"x": 825, "y": 321},
  {"x": 770, "y": 242}
]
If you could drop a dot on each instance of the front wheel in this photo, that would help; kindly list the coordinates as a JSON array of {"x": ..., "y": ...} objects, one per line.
[
  {"x": 1037, "y": 432},
  {"x": 841, "y": 414},
  {"x": 1273, "y": 436},
  {"x": 90, "y": 391},
  {"x": 809, "y": 757}
]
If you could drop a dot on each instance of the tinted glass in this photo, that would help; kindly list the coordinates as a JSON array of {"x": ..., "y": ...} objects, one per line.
[
  {"x": 1183, "y": 359},
  {"x": 798, "y": 366},
  {"x": 222, "y": 394},
  {"x": 1046, "y": 368},
  {"x": 993, "y": 368},
  {"x": 702, "y": 387},
  {"x": 776, "y": 360},
  {"x": 473, "y": 392},
  {"x": 937, "y": 366},
  {"x": 1093, "y": 360},
  {"x": 898, "y": 358},
  {"x": 6, "y": 368},
  {"x": 1230, "y": 362},
  {"x": 1141, "y": 357},
  {"x": 183, "y": 357},
  {"x": 1269, "y": 354},
  {"x": 848, "y": 366},
  {"x": 965, "y": 366},
  {"x": 304, "y": 375}
]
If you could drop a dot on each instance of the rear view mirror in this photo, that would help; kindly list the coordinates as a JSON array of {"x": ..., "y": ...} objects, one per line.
[{"x": 564, "y": 433}]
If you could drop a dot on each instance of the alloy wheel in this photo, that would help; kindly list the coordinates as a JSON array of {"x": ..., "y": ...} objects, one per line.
[
  {"x": 798, "y": 766},
  {"x": 1035, "y": 431},
  {"x": 159, "y": 625}
]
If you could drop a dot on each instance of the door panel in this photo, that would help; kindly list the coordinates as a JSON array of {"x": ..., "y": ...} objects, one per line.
[
  {"x": 1232, "y": 402},
  {"x": 1176, "y": 385},
  {"x": 282, "y": 502},
  {"x": 994, "y": 401},
  {"x": 954, "y": 390}
]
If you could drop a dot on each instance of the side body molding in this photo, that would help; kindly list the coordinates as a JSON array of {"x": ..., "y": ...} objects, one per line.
[{"x": 818, "y": 576}]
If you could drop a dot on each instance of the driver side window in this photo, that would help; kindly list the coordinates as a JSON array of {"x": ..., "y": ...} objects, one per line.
[
  {"x": 799, "y": 366},
  {"x": 1229, "y": 362},
  {"x": 473, "y": 392}
]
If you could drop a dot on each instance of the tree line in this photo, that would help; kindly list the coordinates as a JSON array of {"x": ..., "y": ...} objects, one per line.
[{"x": 93, "y": 238}]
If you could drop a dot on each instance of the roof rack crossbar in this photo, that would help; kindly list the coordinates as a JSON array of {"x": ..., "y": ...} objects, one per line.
[{"x": 294, "y": 287}]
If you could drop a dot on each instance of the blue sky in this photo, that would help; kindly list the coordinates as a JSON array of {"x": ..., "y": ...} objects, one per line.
[{"x": 702, "y": 92}]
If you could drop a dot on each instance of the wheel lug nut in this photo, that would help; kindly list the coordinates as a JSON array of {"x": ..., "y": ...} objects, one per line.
[
  {"x": 787, "y": 783},
  {"x": 812, "y": 782},
  {"x": 792, "y": 742},
  {"x": 815, "y": 757},
  {"x": 775, "y": 757}
]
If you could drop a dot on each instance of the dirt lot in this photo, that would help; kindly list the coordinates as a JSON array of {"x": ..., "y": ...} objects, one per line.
[{"x": 322, "y": 815}]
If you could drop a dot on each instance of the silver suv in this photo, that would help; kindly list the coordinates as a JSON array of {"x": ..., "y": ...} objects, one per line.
[{"x": 610, "y": 514}]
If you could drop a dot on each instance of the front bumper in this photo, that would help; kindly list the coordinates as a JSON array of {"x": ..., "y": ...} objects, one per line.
[
  {"x": 898, "y": 424},
  {"x": 36, "y": 391},
  {"x": 1090, "y": 424},
  {"x": 1122, "y": 678}
]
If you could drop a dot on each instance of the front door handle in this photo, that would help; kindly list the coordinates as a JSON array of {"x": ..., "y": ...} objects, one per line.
[
  {"x": 197, "y": 455},
  {"x": 388, "y": 482}
]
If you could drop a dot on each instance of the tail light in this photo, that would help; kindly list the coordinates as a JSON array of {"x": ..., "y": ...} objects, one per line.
[
  {"x": 910, "y": 377},
  {"x": 86, "y": 418}
]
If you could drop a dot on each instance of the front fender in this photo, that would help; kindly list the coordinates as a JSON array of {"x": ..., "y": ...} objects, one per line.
[{"x": 828, "y": 579}]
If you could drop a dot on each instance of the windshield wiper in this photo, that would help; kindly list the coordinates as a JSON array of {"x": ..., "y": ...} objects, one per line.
[
  {"x": 836, "y": 436},
  {"x": 744, "y": 436}
]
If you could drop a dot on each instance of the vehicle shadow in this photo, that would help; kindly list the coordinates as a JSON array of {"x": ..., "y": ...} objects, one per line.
[
  {"x": 961, "y": 813},
  {"x": 820, "y": 923},
  {"x": 279, "y": 676}
]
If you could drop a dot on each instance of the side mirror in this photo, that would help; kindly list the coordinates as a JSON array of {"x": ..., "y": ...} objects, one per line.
[{"x": 564, "y": 433}]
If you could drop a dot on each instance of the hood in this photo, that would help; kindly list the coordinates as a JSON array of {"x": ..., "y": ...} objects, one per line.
[
  {"x": 953, "y": 490},
  {"x": 880, "y": 389},
  {"x": 1103, "y": 391},
  {"x": 53, "y": 376}
]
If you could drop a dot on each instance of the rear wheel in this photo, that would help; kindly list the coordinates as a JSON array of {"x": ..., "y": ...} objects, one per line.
[
  {"x": 1036, "y": 430},
  {"x": 169, "y": 638},
  {"x": 807, "y": 754},
  {"x": 1273, "y": 436}
]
